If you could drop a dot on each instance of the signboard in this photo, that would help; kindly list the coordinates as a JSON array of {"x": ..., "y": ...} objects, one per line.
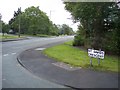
[{"x": 96, "y": 53}]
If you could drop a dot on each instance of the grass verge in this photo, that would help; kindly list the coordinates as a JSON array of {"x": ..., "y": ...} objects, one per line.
[
  {"x": 77, "y": 57},
  {"x": 38, "y": 35},
  {"x": 9, "y": 37}
]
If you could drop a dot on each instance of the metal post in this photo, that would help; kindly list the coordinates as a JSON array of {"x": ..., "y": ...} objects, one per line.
[
  {"x": 91, "y": 62},
  {"x": 98, "y": 61},
  {"x": 99, "y": 58}
]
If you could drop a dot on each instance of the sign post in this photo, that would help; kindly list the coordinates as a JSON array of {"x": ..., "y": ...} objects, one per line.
[
  {"x": 91, "y": 62},
  {"x": 96, "y": 54},
  {"x": 98, "y": 61},
  {"x": 99, "y": 58}
]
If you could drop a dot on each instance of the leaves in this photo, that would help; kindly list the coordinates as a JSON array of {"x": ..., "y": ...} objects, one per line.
[
  {"x": 97, "y": 19},
  {"x": 65, "y": 30},
  {"x": 32, "y": 21}
]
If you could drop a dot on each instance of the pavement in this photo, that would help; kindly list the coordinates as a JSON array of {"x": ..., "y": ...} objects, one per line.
[{"x": 44, "y": 67}]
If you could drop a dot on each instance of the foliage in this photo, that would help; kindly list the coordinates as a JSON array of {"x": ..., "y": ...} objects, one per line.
[
  {"x": 79, "y": 38},
  {"x": 5, "y": 28},
  {"x": 33, "y": 21},
  {"x": 65, "y": 30},
  {"x": 97, "y": 20}
]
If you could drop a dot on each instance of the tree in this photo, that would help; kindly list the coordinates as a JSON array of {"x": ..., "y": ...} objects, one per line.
[
  {"x": 15, "y": 21},
  {"x": 34, "y": 21},
  {"x": 5, "y": 28},
  {"x": 65, "y": 30},
  {"x": 96, "y": 19}
]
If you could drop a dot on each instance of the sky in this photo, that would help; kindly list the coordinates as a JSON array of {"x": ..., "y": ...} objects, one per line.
[{"x": 58, "y": 14}]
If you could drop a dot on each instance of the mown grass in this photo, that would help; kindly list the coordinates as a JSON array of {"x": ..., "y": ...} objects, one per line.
[
  {"x": 9, "y": 37},
  {"x": 77, "y": 57},
  {"x": 37, "y": 35}
]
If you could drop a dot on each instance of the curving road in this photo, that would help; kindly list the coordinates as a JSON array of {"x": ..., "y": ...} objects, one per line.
[{"x": 13, "y": 74}]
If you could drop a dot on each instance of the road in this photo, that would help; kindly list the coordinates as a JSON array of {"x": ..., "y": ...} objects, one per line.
[{"x": 13, "y": 74}]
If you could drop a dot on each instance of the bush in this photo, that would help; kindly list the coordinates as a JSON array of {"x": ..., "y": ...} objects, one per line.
[
  {"x": 78, "y": 41},
  {"x": 110, "y": 43}
]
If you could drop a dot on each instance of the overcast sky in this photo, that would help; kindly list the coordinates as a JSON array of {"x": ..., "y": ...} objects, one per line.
[{"x": 58, "y": 14}]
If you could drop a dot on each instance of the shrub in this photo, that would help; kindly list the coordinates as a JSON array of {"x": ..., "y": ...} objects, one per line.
[{"x": 78, "y": 41}]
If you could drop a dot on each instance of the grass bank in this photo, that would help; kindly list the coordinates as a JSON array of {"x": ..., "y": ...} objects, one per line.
[{"x": 78, "y": 57}]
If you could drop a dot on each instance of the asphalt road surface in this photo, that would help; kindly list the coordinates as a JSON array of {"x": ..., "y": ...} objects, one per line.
[{"x": 13, "y": 74}]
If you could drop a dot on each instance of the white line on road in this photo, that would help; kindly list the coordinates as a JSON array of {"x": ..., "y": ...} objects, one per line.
[
  {"x": 5, "y": 55},
  {"x": 13, "y": 53},
  {"x": 3, "y": 79},
  {"x": 18, "y": 65},
  {"x": 8, "y": 54}
]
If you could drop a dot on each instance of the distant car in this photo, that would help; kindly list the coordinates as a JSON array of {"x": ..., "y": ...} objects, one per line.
[{"x": 11, "y": 31}]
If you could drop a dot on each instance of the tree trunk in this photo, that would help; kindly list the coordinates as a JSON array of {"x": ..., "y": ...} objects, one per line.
[{"x": 98, "y": 34}]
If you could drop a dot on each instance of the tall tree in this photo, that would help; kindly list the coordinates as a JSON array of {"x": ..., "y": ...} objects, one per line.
[
  {"x": 5, "y": 28},
  {"x": 34, "y": 21},
  {"x": 96, "y": 19},
  {"x": 65, "y": 30},
  {"x": 15, "y": 21}
]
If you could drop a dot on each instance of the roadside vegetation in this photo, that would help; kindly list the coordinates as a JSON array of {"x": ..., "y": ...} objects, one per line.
[
  {"x": 99, "y": 25},
  {"x": 34, "y": 22},
  {"x": 78, "y": 57}
]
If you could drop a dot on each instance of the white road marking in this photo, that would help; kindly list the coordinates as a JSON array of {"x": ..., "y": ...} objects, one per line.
[
  {"x": 66, "y": 66},
  {"x": 8, "y": 54},
  {"x": 5, "y": 55},
  {"x": 40, "y": 49},
  {"x": 3, "y": 79},
  {"x": 18, "y": 65},
  {"x": 13, "y": 53}
]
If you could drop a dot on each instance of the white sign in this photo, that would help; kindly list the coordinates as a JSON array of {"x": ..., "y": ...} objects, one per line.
[{"x": 96, "y": 53}]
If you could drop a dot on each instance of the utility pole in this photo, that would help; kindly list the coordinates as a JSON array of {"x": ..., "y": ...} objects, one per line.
[
  {"x": 49, "y": 20},
  {"x": 19, "y": 28},
  {"x": 51, "y": 13},
  {"x": 19, "y": 10},
  {"x": 0, "y": 23}
]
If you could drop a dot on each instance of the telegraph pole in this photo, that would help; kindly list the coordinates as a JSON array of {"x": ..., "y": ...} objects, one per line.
[
  {"x": 0, "y": 23},
  {"x": 19, "y": 28},
  {"x": 51, "y": 13},
  {"x": 19, "y": 9}
]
